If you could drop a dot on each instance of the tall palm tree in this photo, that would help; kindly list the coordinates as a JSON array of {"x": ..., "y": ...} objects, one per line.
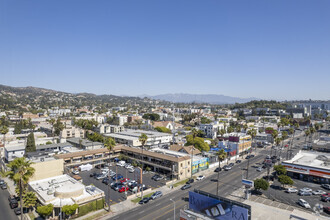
[
  {"x": 252, "y": 133},
  {"x": 20, "y": 171},
  {"x": 221, "y": 156},
  {"x": 143, "y": 139},
  {"x": 109, "y": 143},
  {"x": 194, "y": 134},
  {"x": 307, "y": 133},
  {"x": 3, "y": 130}
]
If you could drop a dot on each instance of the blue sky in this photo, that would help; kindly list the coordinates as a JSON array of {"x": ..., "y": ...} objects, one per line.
[{"x": 274, "y": 49}]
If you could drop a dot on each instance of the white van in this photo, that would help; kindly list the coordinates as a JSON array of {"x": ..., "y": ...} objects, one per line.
[{"x": 121, "y": 163}]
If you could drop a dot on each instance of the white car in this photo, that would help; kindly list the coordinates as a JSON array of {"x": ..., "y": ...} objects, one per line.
[
  {"x": 75, "y": 172},
  {"x": 306, "y": 189},
  {"x": 200, "y": 177},
  {"x": 129, "y": 167},
  {"x": 304, "y": 204},
  {"x": 259, "y": 169},
  {"x": 319, "y": 192},
  {"x": 131, "y": 170},
  {"x": 291, "y": 190}
]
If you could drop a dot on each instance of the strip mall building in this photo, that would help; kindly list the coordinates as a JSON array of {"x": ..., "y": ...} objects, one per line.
[{"x": 309, "y": 166}]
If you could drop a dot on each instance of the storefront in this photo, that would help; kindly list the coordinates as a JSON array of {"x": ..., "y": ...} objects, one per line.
[{"x": 307, "y": 173}]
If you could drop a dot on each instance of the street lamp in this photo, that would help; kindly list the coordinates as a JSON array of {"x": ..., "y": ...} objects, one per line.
[{"x": 174, "y": 208}]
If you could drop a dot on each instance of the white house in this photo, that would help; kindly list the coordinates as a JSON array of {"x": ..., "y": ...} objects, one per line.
[{"x": 12, "y": 152}]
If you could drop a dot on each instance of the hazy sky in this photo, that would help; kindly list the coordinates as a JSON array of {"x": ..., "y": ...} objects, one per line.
[{"x": 273, "y": 49}]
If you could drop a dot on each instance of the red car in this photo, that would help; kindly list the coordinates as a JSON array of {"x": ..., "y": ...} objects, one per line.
[
  {"x": 124, "y": 180},
  {"x": 123, "y": 189},
  {"x": 326, "y": 209}
]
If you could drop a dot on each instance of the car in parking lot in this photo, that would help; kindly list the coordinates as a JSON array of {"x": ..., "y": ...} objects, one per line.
[
  {"x": 106, "y": 181},
  {"x": 190, "y": 181},
  {"x": 123, "y": 189},
  {"x": 238, "y": 161},
  {"x": 117, "y": 177},
  {"x": 325, "y": 186},
  {"x": 124, "y": 180},
  {"x": 121, "y": 163},
  {"x": 131, "y": 170},
  {"x": 304, "y": 204},
  {"x": 131, "y": 182},
  {"x": 304, "y": 193},
  {"x": 306, "y": 189},
  {"x": 75, "y": 172},
  {"x": 231, "y": 164},
  {"x": 187, "y": 186},
  {"x": 92, "y": 174},
  {"x": 318, "y": 192},
  {"x": 156, "y": 195},
  {"x": 326, "y": 209},
  {"x": 259, "y": 169},
  {"x": 201, "y": 177},
  {"x": 157, "y": 177},
  {"x": 325, "y": 197},
  {"x": 144, "y": 200},
  {"x": 291, "y": 190},
  {"x": 218, "y": 169},
  {"x": 118, "y": 186}
]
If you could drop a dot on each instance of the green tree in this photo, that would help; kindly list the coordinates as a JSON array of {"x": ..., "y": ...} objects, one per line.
[
  {"x": 143, "y": 140},
  {"x": 20, "y": 171},
  {"x": 58, "y": 126},
  {"x": 285, "y": 180},
  {"x": 230, "y": 129},
  {"x": 307, "y": 133},
  {"x": 69, "y": 209},
  {"x": 163, "y": 129},
  {"x": 29, "y": 199},
  {"x": 45, "y": 210},
  {"x": 109, "y": 143},
  {"x": 18, "y": 128},
  {"x": 280, "y": 169},
  {"x": 3, "y": 130},
  {"x": 30, "y": 143},
  {"x": 151, "y": 116},
  {"x": 221, "y": 156},
  {"x": 197, "y": 142},
  {"x": 205, "y": 120},
  {"x": 260, "y": 184}
]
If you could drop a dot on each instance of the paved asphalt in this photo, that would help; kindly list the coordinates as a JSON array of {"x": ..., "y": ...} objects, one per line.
[
  {"x": 115, "y": 196},
  {"x": 6, "y": 213},
  {"x": 163, "y": 208}
]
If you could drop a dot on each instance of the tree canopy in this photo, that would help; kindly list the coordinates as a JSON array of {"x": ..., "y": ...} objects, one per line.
[
  {"x": 45, "y": 210},
  {"x": 261, "y": 184},
  {"x": 151, "y": 116},
  {"x": 30, "y": 143},
  {"x": 285, "y": 180},
  {"x": 280, "y": 169},
  {"x": 163, "y": 129},
  {"x": 70, "y": 209},
  {"x": 198, "y": 142}
]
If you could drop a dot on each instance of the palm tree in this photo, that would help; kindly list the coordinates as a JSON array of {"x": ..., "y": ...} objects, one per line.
[
  {"x": 143, "y": 139},
  {"x": 221, "y": 156},
  {"x": 3, "y": 130},
  {"x": 252, "y": 133},
  {"x": 194, "y": 134},
  {"x": 307, "y": 133},
  {"x": 20, "y": 172},
  {"x": 109, "y": 143}
]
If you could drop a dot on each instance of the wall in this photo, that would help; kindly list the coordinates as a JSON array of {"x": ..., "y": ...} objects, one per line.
[{"x": 47, "y": 169}]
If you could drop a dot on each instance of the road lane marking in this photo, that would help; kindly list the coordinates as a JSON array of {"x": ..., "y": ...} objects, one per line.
[{"x": 171, "y": 210}]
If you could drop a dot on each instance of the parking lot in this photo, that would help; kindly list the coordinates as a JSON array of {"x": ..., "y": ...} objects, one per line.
[
  {"x": 276, "y": 192},
  {"x": 115, "y": 196}
]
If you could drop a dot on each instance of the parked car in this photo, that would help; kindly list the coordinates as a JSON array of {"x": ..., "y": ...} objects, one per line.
[
  {"x": 326, "y": 186},
  {"x": 117, "y": 177},
  {"x": 13, "y": 198},
  {"x": 101, "y": 176},
  {"x": 156, "y": 195},
  {"x": 247, "y": 157},
  {"x": 190, "y": 181},
  {"x": 123, "y": 189},
  {"x": 124, "y": 180},
  {"x": 325, "y": 197},
  {"x": 13, "y": 204},
  {"x": 291, "y": 190},
  {"x": 155, "y": 176},
  {"x": 158, "y": 178},
  {"x": 131, "y": 182},
  {"x": 218, "y": 169},
  {"x": 187, "y": 186},
  {"x": 118, "y": 186},
  {"x": 238, "y": 161},
  {"x": 304, "y": 193},
  {"x": 251, "y": 155},
  {"x": 92, "y": 174},
  {"x": 259, "y": 169},
  {"x": 306, "y": 189},
  {"x": 144, "y": 200},
  {"x": 304, "y": 204},
  {"x": 121, "y": 163},
  {"x": 326, "y": 209},
  {"x": 4, "y": 186},
  {"x": 226, "y": 168},
  {"x": 318, "y": 192},
  {"x": 131, "y": 170},
  {"x": 1, "y": 182},
  {"x": 106, "y": 180},
  {"x": 127, "y": 165},
  {"x": 231, "y": 164},
  {"x": 75, "y": 172},
  {"x": 201, "y": 177}
]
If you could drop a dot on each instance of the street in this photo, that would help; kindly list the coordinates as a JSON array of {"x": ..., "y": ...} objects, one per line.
[{"x": 6, "y": 212}]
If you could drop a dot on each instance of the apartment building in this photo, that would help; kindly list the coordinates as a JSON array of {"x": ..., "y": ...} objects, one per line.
[{"x": 70, "y": 132}]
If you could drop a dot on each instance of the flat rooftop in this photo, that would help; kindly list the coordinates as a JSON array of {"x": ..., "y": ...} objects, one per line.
[
  {"x": 135, "y": 134},
  {"x": 64, "y": 190},
  {"x": 311, "y": 159}
]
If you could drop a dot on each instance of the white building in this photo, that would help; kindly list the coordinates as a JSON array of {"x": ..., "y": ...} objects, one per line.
[{"x": 12, "y": 152}]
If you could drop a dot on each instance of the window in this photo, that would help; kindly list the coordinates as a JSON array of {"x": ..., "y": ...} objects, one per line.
[{"x": 181, "y": 164}]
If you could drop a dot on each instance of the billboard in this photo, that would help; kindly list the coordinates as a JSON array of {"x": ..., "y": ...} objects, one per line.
[{"x": 217, "y": 207}]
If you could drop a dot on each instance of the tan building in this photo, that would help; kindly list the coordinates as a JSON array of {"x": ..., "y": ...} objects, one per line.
[
  {"x": 49, "y": 168},
  {"x": 29, "y": 115},
  {"x": 70, "y": 132}
]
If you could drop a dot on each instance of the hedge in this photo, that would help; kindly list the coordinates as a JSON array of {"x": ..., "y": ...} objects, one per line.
[{"x": 90, "y": 207}]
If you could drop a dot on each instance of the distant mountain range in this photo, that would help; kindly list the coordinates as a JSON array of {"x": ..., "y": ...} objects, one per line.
[{"x": 207, "y": 98}]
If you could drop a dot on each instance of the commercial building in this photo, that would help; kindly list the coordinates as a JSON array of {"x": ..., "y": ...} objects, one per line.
[
  {"x": 235, "y": 143},
  {"x": 65, "y": 190},
  {"x": 309, "y": 166},
  {"x": 131, "y": 137},
  {"x": 106, "y": 128},
  {"x": 85, "y": 144}
]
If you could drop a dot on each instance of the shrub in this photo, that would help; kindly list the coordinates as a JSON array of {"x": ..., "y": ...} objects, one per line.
[{"x": 89, "y": 207}]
